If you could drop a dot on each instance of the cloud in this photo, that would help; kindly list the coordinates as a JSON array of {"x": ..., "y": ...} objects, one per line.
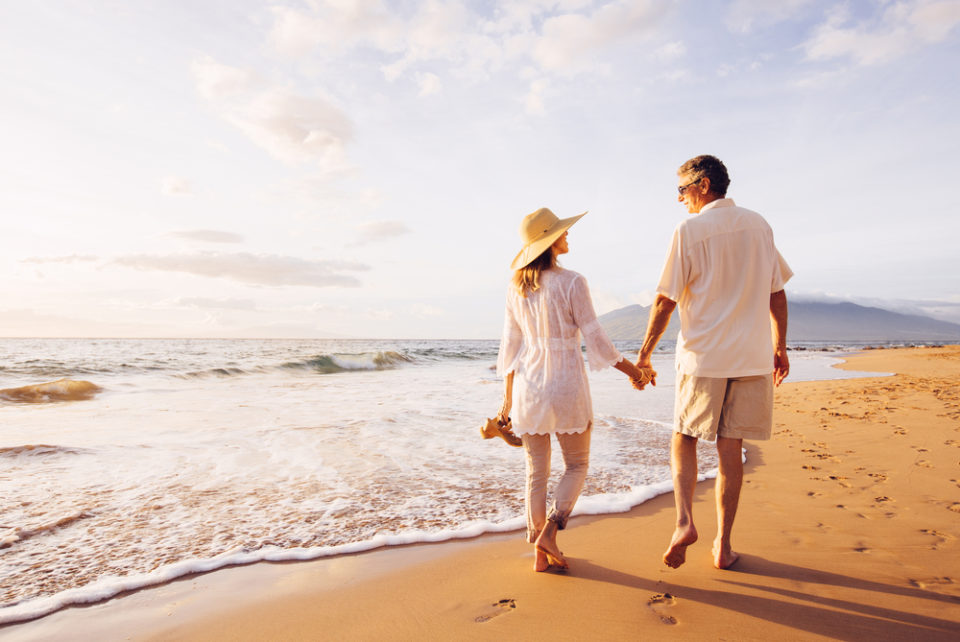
[
  {"x": 671, "y": 51},
  {"x": 76, "y": 323},
  {"x": 947, "y": 309},
  {"x": 424, "y": 311},
  {"x": 335, "y": 26},
  {"x": 293, "y": 128},
  {"x": 208, "y": 236},
  {"x": 216, "y": 81},
  {"x": 252, "y": 269},
  {"x": 744, "y": 16},
  {"x": 559, "y": 36},
  {"x": 429, "y": 84},
  {"x": 380, "y": 230},
  {"x": 533, "y": 102},
  {"x": 569, "y": 41},
  {"x": 205, "y": 303},
  {"x": 933, "y": 21},
  {"x": 73, "y": 258},
  {"x": 901, "y": 28},
  {"x": 175, "y": 186}
]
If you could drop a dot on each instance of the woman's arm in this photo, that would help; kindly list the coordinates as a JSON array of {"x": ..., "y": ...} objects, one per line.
[
  {"x": 507, "y": 404},
  {"x": 639, "y": 377}
]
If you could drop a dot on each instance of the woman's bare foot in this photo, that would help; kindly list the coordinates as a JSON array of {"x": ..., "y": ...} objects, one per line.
[
  {"x": 676, "y": 553},
  {"x": 723, "y": 556},
  {"x": 546, "y": 544},
  {"x": 540, "y": 563}
]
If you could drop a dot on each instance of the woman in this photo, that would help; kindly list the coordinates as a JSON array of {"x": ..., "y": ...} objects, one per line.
[{"x": 548, "y": 309}]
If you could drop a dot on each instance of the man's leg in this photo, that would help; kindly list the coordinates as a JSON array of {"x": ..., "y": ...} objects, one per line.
[
  {"x": 683, "y": 463},
  {"x": 729, "y": 481}
]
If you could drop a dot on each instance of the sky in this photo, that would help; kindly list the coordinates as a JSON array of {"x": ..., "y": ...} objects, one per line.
[{"x": 360, "y": 168}]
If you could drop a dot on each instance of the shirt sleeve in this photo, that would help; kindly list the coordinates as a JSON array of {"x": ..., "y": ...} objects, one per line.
[
  {"x": 673, "y": 277},
  {"x": 601, "y": 352},
  {"x": 781, "y": 273},
  {"x": 511, "y": 342}
]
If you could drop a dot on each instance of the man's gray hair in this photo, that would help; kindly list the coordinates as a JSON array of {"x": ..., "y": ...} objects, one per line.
[{"x": 711, "y": 167}]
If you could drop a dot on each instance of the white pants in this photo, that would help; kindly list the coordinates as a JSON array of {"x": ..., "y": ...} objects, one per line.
[{"x": 576, "y": 457}]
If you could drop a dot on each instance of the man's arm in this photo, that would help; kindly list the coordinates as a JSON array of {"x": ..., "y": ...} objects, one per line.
[
  {"x": 778, "y": 314},
  {"x": 660, "y": 313}
]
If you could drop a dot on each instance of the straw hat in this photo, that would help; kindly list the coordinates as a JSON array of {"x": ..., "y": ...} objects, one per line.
[{"x": 539, "y": 230}]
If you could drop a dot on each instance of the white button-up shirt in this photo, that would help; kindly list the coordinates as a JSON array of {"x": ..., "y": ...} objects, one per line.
[{"x": 721, "y": 269}]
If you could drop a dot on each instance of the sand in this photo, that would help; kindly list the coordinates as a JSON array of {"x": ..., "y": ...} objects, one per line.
[{"x": 848, "y": 529}]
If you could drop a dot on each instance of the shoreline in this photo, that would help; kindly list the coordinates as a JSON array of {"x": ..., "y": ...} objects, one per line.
[{"x": 880, "y": 561}]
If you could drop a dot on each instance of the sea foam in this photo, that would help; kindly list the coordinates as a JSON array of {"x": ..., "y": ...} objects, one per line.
[{"x": 163, "y": 474}]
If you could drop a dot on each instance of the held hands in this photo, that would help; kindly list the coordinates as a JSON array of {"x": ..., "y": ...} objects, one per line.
[
  {"x": 640, "y": 376},
  {"x": 647, "y": 375}
]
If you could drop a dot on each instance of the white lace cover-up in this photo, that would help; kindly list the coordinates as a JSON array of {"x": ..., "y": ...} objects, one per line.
[{"x": 541, "y": 344}]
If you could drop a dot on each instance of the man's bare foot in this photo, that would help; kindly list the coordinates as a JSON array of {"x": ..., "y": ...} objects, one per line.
[
  {"x": 540, "y": 563},
  {"x": 676, "y": 553},
  {"x": 723, "y": 556}
]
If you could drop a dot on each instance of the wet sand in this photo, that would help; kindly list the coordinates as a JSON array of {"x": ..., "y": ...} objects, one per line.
[{"x": 848, "y": 529}]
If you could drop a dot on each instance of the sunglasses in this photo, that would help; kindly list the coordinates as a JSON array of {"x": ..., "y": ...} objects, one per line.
[{"x": 683, "y": 188}]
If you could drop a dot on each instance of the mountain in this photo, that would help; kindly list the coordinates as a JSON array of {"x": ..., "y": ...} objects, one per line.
[{"x": 810, "y": 321}]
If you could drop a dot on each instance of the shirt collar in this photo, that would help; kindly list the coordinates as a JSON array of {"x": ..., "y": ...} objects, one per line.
[{"x": 720, "y": 202}]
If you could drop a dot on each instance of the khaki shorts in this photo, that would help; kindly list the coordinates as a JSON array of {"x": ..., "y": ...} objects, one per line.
[{"x": 735, "y": 407}]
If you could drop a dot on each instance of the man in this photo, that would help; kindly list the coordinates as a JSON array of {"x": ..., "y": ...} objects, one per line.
[{"x": 726, "y": 276}]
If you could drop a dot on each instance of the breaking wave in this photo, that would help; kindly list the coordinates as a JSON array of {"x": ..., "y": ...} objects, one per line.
[
  {"x": 331, "y": 363},
  {"x": 39, "y": 450},
  {"x": 122, "y": 360}
]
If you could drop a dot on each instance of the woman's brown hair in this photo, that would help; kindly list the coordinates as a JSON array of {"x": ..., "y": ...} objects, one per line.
[{"x": 527, "y": 278}]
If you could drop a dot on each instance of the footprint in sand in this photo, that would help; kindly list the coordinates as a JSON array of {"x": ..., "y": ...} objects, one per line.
[
  {"x": 841, "y": 479},
  {"x": 899, "y": 430},
  {"x": 955, "y": 507},
  {"x": 932, "y": 582},
  {"x": 659, "y": 604},
  {"x": 941, "y": 538},
  {"x": 495, "y": 609},
  {"x": 878, "y": 477},
  {"x": 923, "y": 463},
  {"x": 861, "y": 549}
]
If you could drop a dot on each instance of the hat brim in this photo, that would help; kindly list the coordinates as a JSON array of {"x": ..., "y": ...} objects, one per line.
[{"x": 536, "y": 248}]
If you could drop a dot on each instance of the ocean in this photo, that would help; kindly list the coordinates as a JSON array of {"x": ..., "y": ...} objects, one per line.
[{"x": 198, "y": 454}]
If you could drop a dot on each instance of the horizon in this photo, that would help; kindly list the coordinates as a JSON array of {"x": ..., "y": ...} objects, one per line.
[
  {"x": 454, "y": 339},
  {"x": 333, "y": 170}
]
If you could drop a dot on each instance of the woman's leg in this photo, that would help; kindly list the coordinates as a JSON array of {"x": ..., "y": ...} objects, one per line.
[
  {"x": 537, "y": 448},
  {"x": 576, "y": 459}
]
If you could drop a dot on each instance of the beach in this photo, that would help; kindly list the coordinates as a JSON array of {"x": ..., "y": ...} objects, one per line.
[{"x": 847, "y": 529}]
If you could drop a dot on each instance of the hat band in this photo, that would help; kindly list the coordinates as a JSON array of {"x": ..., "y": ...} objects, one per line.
[{"x": 542, "y": 234}]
